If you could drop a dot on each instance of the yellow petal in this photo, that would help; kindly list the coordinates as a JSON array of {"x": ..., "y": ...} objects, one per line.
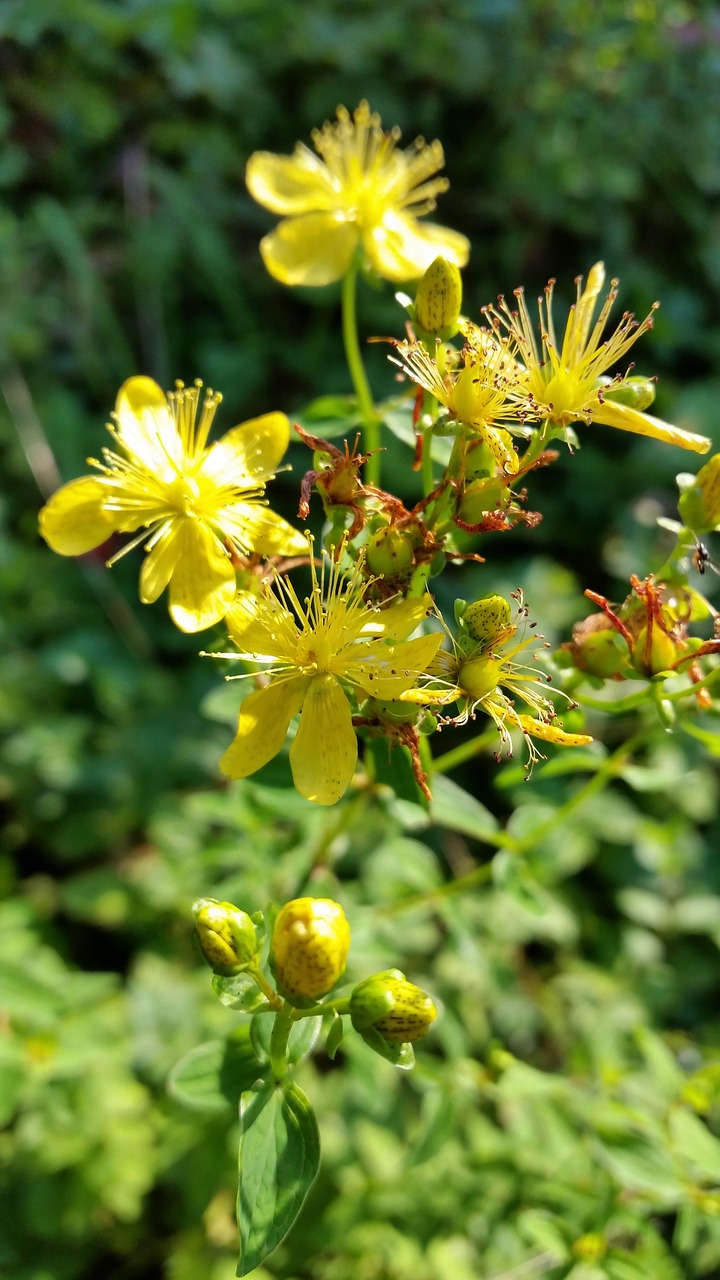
[
  {"x": 399, "y": 620},
  {"x": 260, "y": 627},
  {"x": 193, "y": 561},
  {"x": 643, "y": 424},
  {"x": 75, "y": 520},
  {"x": 552, "y": 733},
  {"x": 313, "y": 249},
  {"x": 160, "y": 563},
  {"x": 259, "y": 529},
  {"x": 146, "y": 428},
  {"x": 402, "y": 248},
  {"x": 139, "y": 393},
  {"x": 385, "y": 671},
  {"x": 324, "y": 753},
  {"x": 263, "y": 725},
  {"x": 300, "y": 183},
  {"x": 248, "y": 454}
]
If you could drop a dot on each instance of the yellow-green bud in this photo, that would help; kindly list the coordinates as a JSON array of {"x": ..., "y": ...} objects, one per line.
[
  {"x": 488, "y": 618},
  {"x": 653, "y": 652},
  {"x": 481, "y": 497},
  {"x": 389, "y": 552},
  {"x": 479, "y": 677},
  {"x": 636, "y": 393},
  {"x": 227, "y": 936},
  {"x": 591, "y": 1247},
  {"x": 699, "y": 503},
  {"x": 399, "y": 1010},
  {"x": 395, "y": 712},
  {"x": 310, "y": 944},
  {"x": 439, "y": 299}
]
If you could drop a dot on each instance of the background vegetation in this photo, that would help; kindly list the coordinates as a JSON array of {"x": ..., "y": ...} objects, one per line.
[{"x": 556, "y": 1123}]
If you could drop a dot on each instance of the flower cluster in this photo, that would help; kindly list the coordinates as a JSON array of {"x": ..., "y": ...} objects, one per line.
[{"x": 361, "y": 651}]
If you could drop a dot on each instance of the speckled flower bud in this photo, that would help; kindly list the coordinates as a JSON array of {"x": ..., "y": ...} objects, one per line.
[
  {"x": 487, "y": 619},
  {"x": 389, "y": 552},
  {"x": 310, "y": 944},
  {"x": 227, "y": 936},
  {"x": 439, "y": 299},
  {"x": 399, "y": 1010},
  {"x": 699, "y": 502}
]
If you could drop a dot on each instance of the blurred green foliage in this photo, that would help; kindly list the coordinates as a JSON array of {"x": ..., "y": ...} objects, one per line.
[{"x": 560, "y": 1120}]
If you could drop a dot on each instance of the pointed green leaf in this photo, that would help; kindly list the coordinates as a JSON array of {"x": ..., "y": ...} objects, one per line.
[
  {"x": 212, "y": 1076},
  {"x": 279, "y": 1158}
]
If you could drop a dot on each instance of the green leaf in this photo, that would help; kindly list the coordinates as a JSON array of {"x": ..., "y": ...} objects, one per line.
[
  {"x": 692, "y": 1139},
  {"x": 399, "y": 422},
  {"x": 212, "y": 1076},
  {"x": 329, "y": 416},
  {"x": 238, "y": 992},
  {"x": 455, "y": 810},
  {"x": 279, "y": 1158},
  {"x": 335, "y": 1035}
]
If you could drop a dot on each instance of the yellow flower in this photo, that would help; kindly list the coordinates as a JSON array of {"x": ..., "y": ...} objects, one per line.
[
  {"x": 358, "y": 190},
  {"x": 310, "y": 944},
  {"x": 479, "y": 675},
  {"x": 320, "y": 652},
  {"x": 196, "y": 506},
  {"x": 482, "y": 386},
  {"x": 563, "y": 381}
]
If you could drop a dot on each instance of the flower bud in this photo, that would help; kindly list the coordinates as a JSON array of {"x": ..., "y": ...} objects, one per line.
[
  {"x": 439, "y": 298},
  {"x": 636, "y": 393},
  {"x": 389, "y": 552},
  {"x": 487, "y": 619},
  {"x": 310, "y": 944},
  {"x": 395, "y": 712},
  {"x": 699, "y": 502},
  {"x": 479, "y": 677},
  {"x": 227, "y": 936},
  {"x": 399, "y": 1010},
  {"x": 653, "y": 651}
]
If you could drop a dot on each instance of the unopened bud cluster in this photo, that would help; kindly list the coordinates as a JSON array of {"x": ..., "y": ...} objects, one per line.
[{"x": 309, "y": 946}]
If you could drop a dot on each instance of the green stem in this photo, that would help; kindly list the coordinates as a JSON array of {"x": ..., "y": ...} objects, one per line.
[
  {"x": 368, "y": 414},
  {"x": 255, "y": 972},
  {"x": 341, "y": 1005},
  {"x": 279, "y": 1041},
  {"x": 611, "y": 766}
]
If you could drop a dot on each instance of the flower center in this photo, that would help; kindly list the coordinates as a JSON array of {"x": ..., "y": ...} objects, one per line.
[{"x": 183, "y": 494}]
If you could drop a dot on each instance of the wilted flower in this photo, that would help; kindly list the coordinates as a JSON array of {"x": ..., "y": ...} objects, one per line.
[
  {"x": 565, "y": 381},
  {"x": 321, "y": 653},
  {"x": 359, "y": 189},
  {"x": 310, "y": 944},
  {"x": 194, "y": 505}
]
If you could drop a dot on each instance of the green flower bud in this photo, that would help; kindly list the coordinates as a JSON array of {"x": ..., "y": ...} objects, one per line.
[
  {"x": 636, "y": 393},
  {"x": 480, "y": 497},
  {"x": 699, "y": 502},
  {"x": 488, "y": 618},
  {"x": 390, "y": 552},
  {"x": 399, "y": 1010},
  {"x": 479, "y": 677},
  {"x": 439, "y": 298},
  {"x": 591, "y": 1247},
  {"x": 653, "y": 651},
  {"x": 228, "y": 939},
  {"x": 310, "y": 944},
  {"x": 603, "y": 653},
  {"x": 395, "y": 712}
]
